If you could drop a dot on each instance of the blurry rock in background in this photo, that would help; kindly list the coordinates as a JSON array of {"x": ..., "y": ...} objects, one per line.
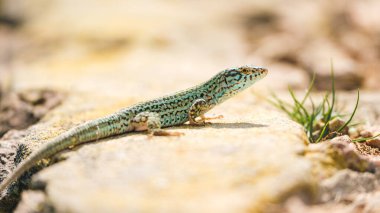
[
  {"x": 301, "y": 35},
  {"x": 311, "y": 34},
  {"x": 285, "y": 75},
  {"x": 6, "y": 17},
  {"x": 18, "y": 111},
  {"x": 346, "y": 70}
]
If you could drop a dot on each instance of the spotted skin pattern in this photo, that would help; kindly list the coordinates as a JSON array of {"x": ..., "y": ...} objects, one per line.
[{"x": 171, "y": 110}]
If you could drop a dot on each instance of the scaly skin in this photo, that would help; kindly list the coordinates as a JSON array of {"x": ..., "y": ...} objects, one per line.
[{"x": 171, "y": 110}]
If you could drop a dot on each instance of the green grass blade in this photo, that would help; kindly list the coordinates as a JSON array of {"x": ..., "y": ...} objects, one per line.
[
  {"x": 360, "y": 140},
  {"x": 308, "y": 91},
  {"x": 331, "y": 108},
  {"x": 314, "y": 114},
  {"x": 353, "y": 113},
  {"x": 299, "y": 107},
  {"x": 280, "y": 105}
]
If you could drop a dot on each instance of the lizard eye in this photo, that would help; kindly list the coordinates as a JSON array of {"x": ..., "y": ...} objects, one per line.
[
  {"x": 233, "y": 75},
  {"x": 245, "y": 70}
]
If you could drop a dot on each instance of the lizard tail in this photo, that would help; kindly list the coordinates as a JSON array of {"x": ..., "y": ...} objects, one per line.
[{"x": 90, "y": 131}]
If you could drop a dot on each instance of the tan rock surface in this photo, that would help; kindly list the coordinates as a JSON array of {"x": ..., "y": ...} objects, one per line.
[{"x": 240, "y": 163}]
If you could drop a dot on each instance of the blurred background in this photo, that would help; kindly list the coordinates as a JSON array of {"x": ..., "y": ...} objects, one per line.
[{"x": 108, "y": 46}]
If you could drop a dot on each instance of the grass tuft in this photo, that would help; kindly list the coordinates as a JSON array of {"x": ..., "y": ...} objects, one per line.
[{"x": 318, "y": 118}]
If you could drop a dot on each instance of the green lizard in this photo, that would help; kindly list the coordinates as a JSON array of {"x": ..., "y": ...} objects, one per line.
[{"x": 176, "y": 109}]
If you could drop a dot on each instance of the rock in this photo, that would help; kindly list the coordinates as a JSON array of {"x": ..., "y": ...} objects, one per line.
[
  {"x": 353, "y": 132},
  {"x": 374, "y": 143},
  {"x": 370, "y": 148},
  {"x": 296, "y": 205},
  {"x": 366, "y": 134},
  {"x": 342, "y": 142},
  {"x": 347, "y": 184},
  {"x": 234, "y": 161},
  {"x": 367, "y": 150},
  {"x": 20, "y": 110},
  {"x": 329, "y": 157},
  {"x": 345, "y": 191},
  {"x": 373, "y": 203},
  {"x": 347, "y": 155},
  {"x": 336, "y": 124},
  {"x": 33, "y": 201},
  {"x": 369, "y": 132}
]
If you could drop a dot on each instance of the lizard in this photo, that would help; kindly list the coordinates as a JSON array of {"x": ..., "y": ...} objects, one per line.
[{"x": 172, "y": 110}]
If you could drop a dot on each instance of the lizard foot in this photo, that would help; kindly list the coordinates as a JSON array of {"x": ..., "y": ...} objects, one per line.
[{"x": 201, "y": 121}]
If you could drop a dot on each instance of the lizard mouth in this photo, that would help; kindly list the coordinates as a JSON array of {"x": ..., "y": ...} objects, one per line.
[
  {"x": 264, "y": 72},
  {"x": 261, "y": 71}
]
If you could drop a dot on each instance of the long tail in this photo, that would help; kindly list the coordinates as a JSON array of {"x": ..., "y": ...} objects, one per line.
[{"x": 111, "y": 125}]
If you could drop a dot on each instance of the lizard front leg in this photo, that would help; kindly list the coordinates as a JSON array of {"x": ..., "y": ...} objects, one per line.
[
  {"x": 198, "y": 109},
  {"x": 151, "y": 122}
]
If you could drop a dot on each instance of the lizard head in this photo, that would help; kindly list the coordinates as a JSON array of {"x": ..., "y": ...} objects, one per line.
[
  {"x": 234, "y": 80},
  {"x": 229, "y": 82},
  {"x": 238, "y": 79}
]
